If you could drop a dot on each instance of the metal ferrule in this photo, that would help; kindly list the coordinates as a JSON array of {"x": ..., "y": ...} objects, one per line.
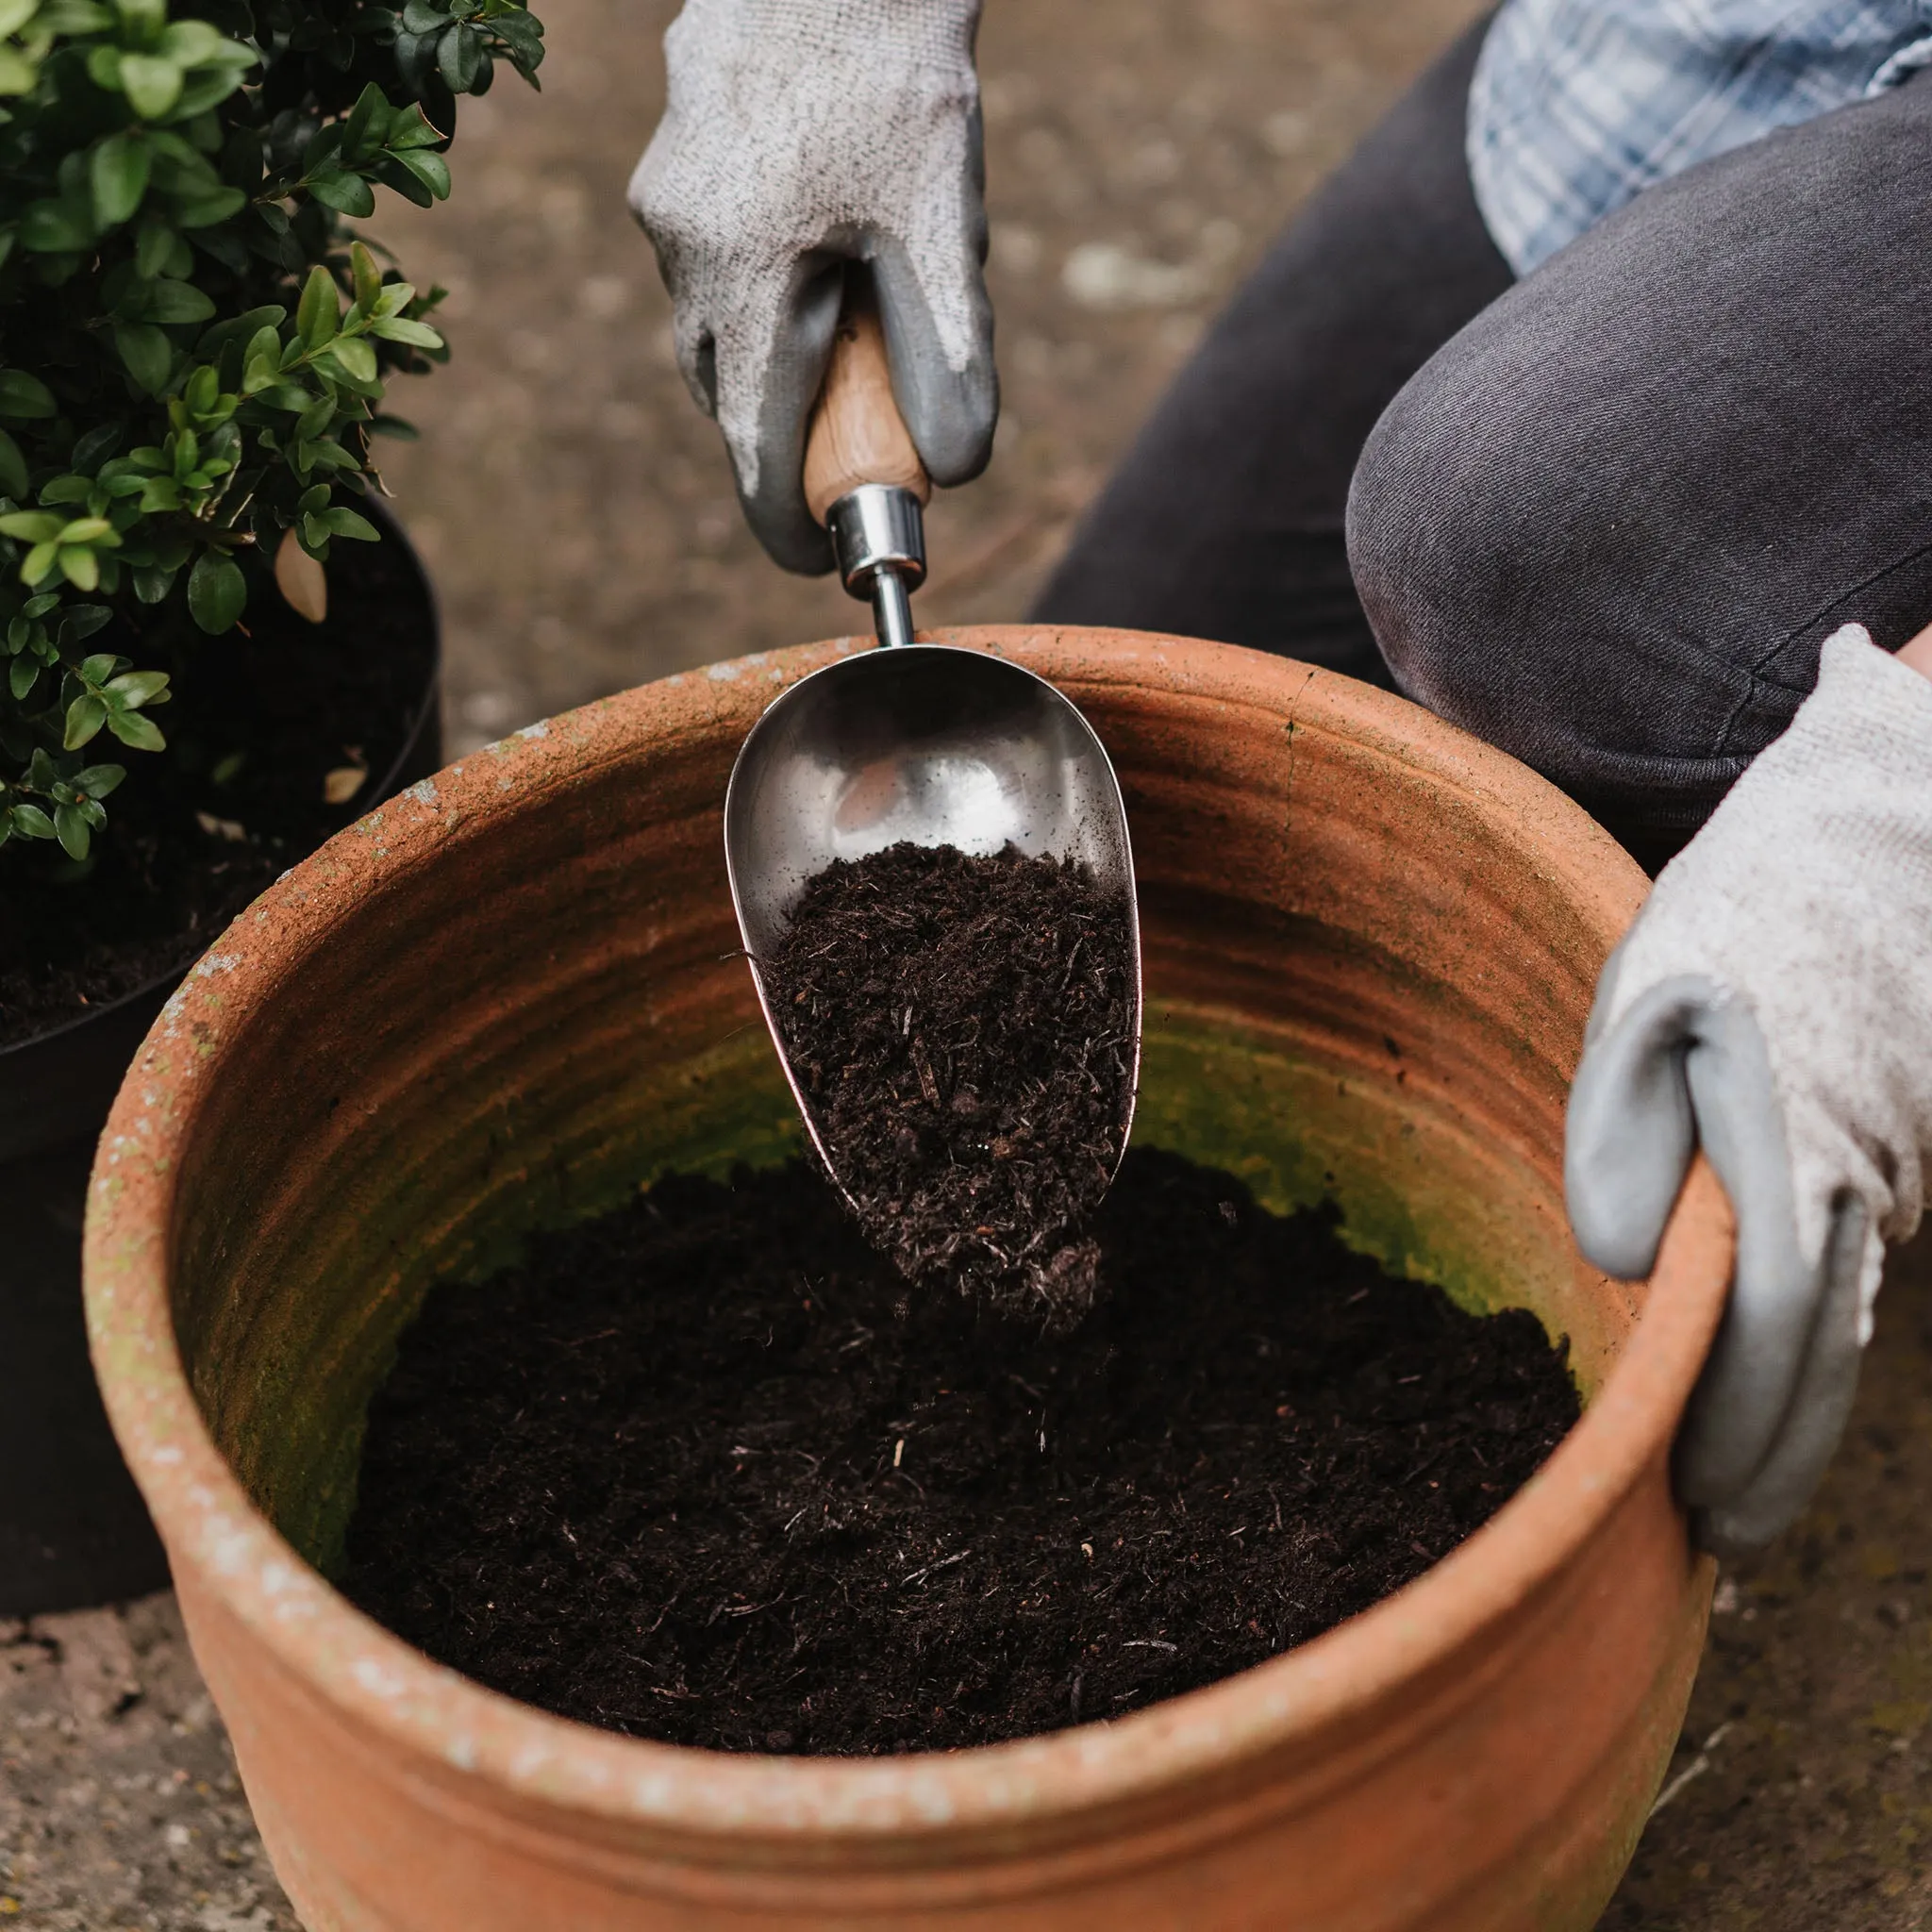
[{"x": 876, "y": 526}]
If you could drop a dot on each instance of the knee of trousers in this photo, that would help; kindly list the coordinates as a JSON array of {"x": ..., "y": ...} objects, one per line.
[
  {"x": 1510, "y": 598},
  {"x": 1445, "y": 561}
]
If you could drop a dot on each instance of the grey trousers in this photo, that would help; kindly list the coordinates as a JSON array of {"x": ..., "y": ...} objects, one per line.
[{"x": 1604, "y": 517}]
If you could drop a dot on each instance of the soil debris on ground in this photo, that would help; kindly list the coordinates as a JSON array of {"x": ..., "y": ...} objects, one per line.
[
  {"x": 962, "y": 1029},
  {"x": 694, "y": 1473}
]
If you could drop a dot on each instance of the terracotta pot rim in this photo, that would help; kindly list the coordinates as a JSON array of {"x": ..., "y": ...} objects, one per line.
[{"x": 397, "y": 1694}]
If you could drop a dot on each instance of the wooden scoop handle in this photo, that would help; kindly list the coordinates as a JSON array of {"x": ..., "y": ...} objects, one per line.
[{"x": 857, "y": 435}]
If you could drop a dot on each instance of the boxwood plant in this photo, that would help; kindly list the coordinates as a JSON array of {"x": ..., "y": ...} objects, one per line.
[{"x": 194, "y": 352}]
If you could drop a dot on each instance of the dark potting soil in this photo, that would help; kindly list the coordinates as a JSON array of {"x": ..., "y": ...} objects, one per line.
[
  {"x": 962, "y": 1029},
  {"x": 256, "y": 725},
  {"x": 694, "y": 1473}
]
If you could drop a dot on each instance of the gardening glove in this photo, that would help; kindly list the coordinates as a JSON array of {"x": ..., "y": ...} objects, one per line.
[
  {"x": 800, "y": 135},
  {"x": 1773, "y": 1004}
]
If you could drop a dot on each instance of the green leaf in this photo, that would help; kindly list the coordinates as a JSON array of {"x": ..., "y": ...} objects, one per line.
[
  {"x": 13, "y": 478},
  {"x": 30, "y": 822},
  {"x": 343, "y": 522},
  {"x": 348, "y": 194},
  {"x": 423, "y": 17},
  {"x": 160, "y": 494},
  {"x": 331, "y": 370},
  {"x": 319, "y": 313},
  {"x": 19, "y": 75},
  {"x": 48, "y": 228},
  {"x": 137, "y": 688},
  {"x": 459, "y": 58},
  {"x": 178, "y": 302},
  {"x": 24, "y": 397},
  {"x": 103, "y": 68},
  {"x": 316, "y": 418},
  {"x": 145, "y": 19},
  {"x": 82, "y": 621},
  {"x": 368, "y": 121},
  {"x": 391, "y": 174},
  {"x": 429, "y": 169},
  {"x": 522, "y": 33},
  {"x": 119, "y": 176},
  {"x": 399, "y": 328},
  {"x": 154, "y": 242},
  {"x": 39, "y": 563},
  {"x": 203, "y": 392},
  {"x": 151, "y": 83},
  {"x": 203, "y": 210},
  {"x": 68, "y": 489},
  {"x": 22, "y": 675},
  {"x": 32, "y": 525},
  {"x": 84, "y": 717},
  {"x": 71, "y": 829},
  {"x": 81, "y": 568},
  {"x": 91, "y": 451},
  {"x": 192, "y": 43},
  {"x": 257, "y": 324},
  {"x": 91, "y": 531},
  {"x": 416, "y": 60},
  {"x": 146, "y": 352},
  {"x": 14, "y": 14},
  {"x": 151, "y": 586},
  {"x": 395, "y": 298},
  {"x": 368, "y": 279},
  {"x": 137, "y": 730},
  {"x": 217, "y": 592},
  {"x": 354, "y": 356},
  {"x": 97, "y": 781},
  {"x": 208, "y": 88}
]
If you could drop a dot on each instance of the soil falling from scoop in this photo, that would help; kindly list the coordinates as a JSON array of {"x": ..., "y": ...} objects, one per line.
[
  {"x": 689, "y": 1473},
  {"x": 961, "y": 1028}
]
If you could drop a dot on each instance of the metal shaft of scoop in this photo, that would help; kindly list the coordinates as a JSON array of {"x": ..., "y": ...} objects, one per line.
[
  {"x": 879, "y": 537},
  {"x": 929, "y": 744}
]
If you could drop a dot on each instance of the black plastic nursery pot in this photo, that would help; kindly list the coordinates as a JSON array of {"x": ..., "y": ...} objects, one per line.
[{"x": 74, "y": 1531}]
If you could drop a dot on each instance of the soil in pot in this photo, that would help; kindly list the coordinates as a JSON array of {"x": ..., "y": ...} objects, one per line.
[
  {"x": 697, "y": 1472},
  {"x": 259, "y": 721},
  {"x": 961, "y": 1028}
]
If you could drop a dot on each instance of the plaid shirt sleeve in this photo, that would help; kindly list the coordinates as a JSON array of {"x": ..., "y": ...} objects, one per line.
[{"x": 1579, "y": 105}]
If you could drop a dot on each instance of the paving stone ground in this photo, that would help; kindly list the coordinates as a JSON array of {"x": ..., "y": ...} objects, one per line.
[{"x": 578, "y": 517}]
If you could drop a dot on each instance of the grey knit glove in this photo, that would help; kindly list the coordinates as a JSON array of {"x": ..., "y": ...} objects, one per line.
[
  {"x": 800, "y": 134},
  {"x": 1773, "y": 1003}
]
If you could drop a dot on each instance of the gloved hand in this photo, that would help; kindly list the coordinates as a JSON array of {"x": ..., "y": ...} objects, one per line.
[
  {"x": 1773, "y": 1003},
  {"x": 798, "y": 135}
]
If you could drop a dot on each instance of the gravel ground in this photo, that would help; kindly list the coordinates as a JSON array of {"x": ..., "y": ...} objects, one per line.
[
  {"x": 575, "y": 508},
  {"x": 578, "y": 516}
]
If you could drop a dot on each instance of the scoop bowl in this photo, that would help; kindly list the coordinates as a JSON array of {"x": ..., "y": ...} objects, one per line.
[{"x": 929, "y": 744}]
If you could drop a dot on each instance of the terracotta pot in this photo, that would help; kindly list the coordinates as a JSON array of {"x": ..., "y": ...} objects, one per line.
[
  {"x": 72, "y": 1531},
  {"x": 509, "y": 996}
]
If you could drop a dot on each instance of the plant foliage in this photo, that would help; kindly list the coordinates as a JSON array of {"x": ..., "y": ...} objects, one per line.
[{"x": 193, "y": 351}]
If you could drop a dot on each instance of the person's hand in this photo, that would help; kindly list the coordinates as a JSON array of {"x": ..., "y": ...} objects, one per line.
[
  {"x": 800, "y": 135},
  {"x": 1773, "y": 1003}
]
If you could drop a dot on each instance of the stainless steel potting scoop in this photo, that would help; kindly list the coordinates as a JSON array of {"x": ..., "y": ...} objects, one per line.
[{"x": 927, "y": 743}]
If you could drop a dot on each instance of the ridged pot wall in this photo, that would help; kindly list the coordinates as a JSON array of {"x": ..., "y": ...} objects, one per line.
[{"x": 505, "y": 999}]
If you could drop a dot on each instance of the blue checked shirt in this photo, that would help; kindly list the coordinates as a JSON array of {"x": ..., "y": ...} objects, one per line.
[{"x": 1579, "y": 105}]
